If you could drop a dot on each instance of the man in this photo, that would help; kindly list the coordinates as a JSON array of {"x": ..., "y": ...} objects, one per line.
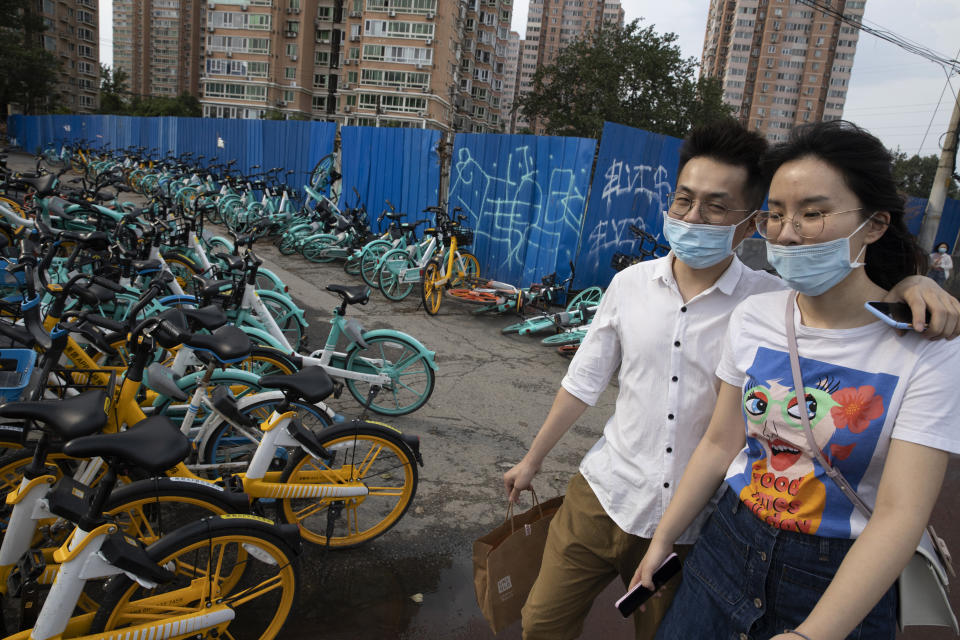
[{"x": 662, "y": 323}]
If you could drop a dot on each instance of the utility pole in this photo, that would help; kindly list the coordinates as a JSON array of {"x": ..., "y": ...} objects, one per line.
[{"x": 941, "y": 182}]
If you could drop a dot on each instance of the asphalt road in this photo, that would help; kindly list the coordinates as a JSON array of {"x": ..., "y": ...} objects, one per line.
[{"x": 491, "y": 396}]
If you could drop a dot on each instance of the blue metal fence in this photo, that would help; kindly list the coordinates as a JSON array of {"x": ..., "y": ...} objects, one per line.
[
  {"x": 524, "y": 196},
  {"x": 399, "y": 165},
  {"x": 635, "y": 172},
  {"x": 290, "y": 144}
]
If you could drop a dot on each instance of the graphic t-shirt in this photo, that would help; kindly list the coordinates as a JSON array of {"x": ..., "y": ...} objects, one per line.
[{"x": 863, "y": 386}]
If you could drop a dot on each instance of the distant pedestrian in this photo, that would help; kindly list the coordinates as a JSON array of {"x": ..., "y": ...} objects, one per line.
[{"x": 940, "y": 264}]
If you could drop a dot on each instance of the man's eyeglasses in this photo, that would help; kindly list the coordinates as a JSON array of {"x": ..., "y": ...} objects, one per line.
[
  {"x": 711, "y": 211},
  {"x": 808, "y": 224}
]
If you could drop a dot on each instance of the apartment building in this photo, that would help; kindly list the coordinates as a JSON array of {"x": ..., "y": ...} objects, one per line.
[
  {"x": 511, "y": 78},
  {"x": 157, "y": 43},
  {"x": 551, "y": 26},
  {"x": 781, "y": 62},
  {"x": 526, "y": 67},
  {"x": 407, "y": 63},
  {"x": 72, "y": 34}
]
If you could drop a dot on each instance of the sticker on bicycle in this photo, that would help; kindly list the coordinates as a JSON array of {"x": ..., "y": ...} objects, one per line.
[
  {"x": 244, "y": 516},
  {"x": 199, "y": 481}
]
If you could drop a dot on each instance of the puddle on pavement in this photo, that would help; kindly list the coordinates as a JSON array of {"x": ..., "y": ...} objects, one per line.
[{"x": 366, "y": 593}]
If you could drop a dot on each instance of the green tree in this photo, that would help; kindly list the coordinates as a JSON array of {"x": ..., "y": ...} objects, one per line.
[
  {"x": 915, "y": 174},
  {"x": 625, "y": 74},
  {"x": 28, "y": 73},
  {"x": 113, "y": 90},
  {"x": 184, "y": 106}
]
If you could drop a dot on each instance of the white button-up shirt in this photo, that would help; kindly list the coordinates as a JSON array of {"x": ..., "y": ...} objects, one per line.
[{"x": 668, "y": 352}]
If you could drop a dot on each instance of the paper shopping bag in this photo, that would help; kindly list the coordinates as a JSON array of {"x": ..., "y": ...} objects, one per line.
[{"x": 506, "y": 562}]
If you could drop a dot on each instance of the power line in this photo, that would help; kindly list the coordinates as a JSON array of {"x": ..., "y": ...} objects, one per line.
[{"x": 953, "y": 65}]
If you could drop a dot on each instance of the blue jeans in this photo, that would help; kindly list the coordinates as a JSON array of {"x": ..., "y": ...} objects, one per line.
[{"x": 745, "y": 579}]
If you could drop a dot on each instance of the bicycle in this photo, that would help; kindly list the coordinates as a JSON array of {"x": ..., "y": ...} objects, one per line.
[{"x": 456, "y": 266}]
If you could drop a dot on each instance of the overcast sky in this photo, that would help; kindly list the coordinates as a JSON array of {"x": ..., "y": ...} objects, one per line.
[{"x": 892, "y": 93}]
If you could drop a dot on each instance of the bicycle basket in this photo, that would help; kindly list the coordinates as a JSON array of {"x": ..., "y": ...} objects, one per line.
[
  {"x": 16, "y": 365},
  {"x": 464, "y": 237},
  {"x": 68, "y": 382}
]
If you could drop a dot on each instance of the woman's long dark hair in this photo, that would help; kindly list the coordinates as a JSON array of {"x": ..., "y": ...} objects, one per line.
[{"x": 866, "y": 167}]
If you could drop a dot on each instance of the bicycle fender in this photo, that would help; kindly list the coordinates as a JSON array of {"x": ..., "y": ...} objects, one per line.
[
  {"x": 278, "y": 284},
  {"x": 354, "y": 331},
  {"x": 280, "y": 297},
  {"x": 176, "y": 300},
  {"x": 390, "y": 333},
  {"x": 221, "y": 240}
]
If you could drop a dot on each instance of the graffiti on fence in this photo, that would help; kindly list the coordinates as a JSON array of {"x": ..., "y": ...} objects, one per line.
[
  {"x": 520, "y": 209},
  {"x": 637, "y": 193}
]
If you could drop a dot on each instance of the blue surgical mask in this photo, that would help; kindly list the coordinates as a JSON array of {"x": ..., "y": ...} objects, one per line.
[
  {"x": 813, "y": 269},
  {"x": 942, "y": 249},
  {"x": 700, "y": 245}
]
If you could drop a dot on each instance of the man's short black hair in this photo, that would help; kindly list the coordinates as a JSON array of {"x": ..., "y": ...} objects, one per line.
[{"x": 727, "y": 141}]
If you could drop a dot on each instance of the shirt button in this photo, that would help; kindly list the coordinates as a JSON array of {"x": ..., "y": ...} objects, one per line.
[
  {"x": 744, "y": 636},
  {"x": 677, "y": 343},
  {"x": 674, "y": 378},
  {"x": 758, "y": 603},
  {"x": 763, "y": 556},
  {"x": 666, "y": 485},
  {"x": 669, "y": 416},
  {"x": 683, "y": 309},
  {"x": 669, "y": 449}
]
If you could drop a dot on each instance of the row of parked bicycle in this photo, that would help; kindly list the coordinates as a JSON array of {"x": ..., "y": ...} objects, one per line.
[{"x": 167, "y": 444}]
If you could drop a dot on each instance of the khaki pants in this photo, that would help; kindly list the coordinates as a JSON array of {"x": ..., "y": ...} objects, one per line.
[{"x": 585, "y": 550}]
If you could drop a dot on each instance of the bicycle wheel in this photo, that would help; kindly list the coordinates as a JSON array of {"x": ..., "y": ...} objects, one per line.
[
  {"x": 351, "y": 266},
  {"x": 391, "y": 277},
  {"x": 230, "y": 446},
  {"x": 183, "y": 269},
  {"x": 364, "y": 454},
  {"x": 149, "y": 509},
  {"x": 430, "y": 293},
  {"x": 589, "y": 296},
  {"x": 266, "y": 361},
  {"x": 318, "y": 249},
  {"x": 370, "y": 261},
  {"x": 411, "y": 377},
  {"x": 320, "y": 176},
  {"x": 241, "y": 562},
  {"x": 288, "y": 244},
  {"x": 466, "y": 268}
]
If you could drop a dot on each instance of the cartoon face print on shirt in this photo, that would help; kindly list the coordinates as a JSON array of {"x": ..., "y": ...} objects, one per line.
[
  {"x": 773, "y": 418},
  {"x": 783, "y": 484}
]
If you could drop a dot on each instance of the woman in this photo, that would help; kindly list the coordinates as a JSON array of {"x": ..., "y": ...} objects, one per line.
[
  {"x": 940, "y": 264},
  {"x": 785, "y": 554}
]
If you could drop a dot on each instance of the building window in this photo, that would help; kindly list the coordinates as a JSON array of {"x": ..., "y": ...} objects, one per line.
[{"x": 290, "y": 73}]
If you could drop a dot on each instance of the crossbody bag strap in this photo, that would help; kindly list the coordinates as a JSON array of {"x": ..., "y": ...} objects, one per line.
[
  {"x": 938, "y": 543},
  {"x": 828, "y": 468}
]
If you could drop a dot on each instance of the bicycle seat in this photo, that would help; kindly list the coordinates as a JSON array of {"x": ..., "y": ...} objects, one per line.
[
  {"x": 43, "y": 184},
  {"x": 311, "y": 384},
  {"x": 209, "y": 288},
  {"x": 154, "y": 445},
  {"x": 209, "y": 317},
  {"x": 96, "y": 240},
  {"x": 145, "y": 265},
  {"x": 227, "y": 344},
  {"x": 17, "y": 334},
  {"x": 351, "y": 295},
  {"x": 70, "y": 418},
  {"x": 234, "y": 263},
  {"x": 92, "y": 294}
]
